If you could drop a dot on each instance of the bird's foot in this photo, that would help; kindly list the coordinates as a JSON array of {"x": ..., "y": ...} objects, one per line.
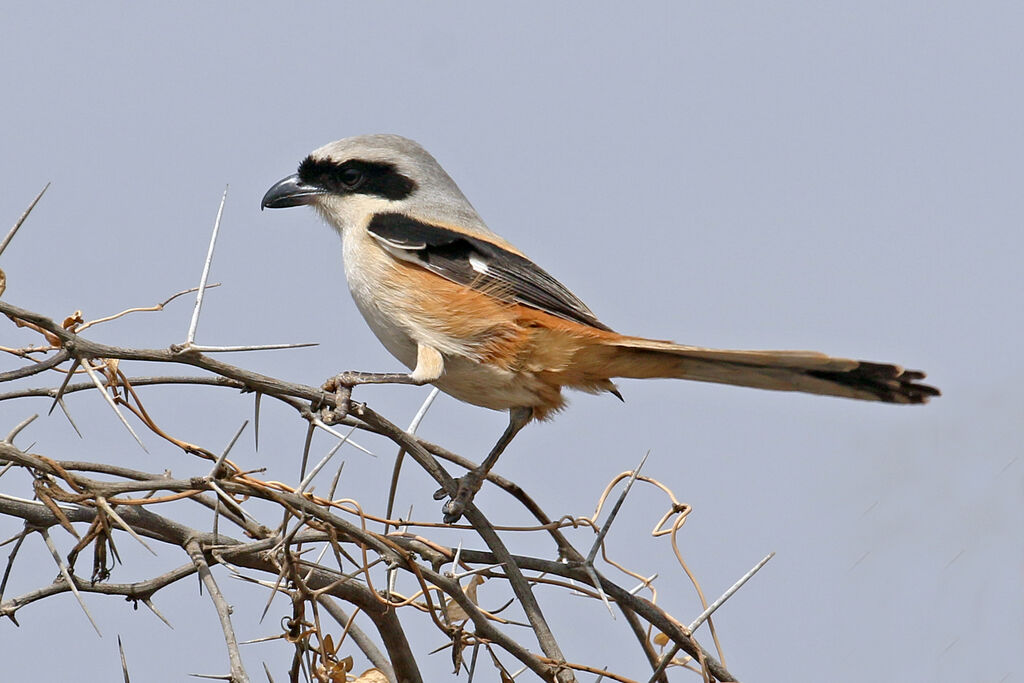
[
  {"x": 341, "y": 386},
  {"x": 346, "y": 380},
  {"x": 467, "y": 486}
]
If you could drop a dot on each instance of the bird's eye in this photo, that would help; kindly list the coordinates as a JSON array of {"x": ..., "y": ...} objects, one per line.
[{"x": 351, "y": 178}]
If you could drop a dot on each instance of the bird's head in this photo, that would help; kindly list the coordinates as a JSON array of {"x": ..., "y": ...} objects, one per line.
[{"x": 351, "y": 180}]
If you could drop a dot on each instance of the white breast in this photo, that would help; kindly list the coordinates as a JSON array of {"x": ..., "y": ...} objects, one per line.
[{"x": 366, "y": 269}]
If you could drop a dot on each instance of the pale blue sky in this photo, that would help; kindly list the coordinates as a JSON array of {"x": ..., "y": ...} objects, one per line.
[{"x": 838, "y": 177}]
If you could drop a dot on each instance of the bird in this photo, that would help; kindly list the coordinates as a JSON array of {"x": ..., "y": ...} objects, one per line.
[{"x": 468, "y": 312}]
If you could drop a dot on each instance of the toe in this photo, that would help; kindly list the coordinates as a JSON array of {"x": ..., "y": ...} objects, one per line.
[{"x": 452, "y": 512}]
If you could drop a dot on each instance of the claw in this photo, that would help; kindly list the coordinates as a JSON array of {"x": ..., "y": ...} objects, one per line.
[
  {"x": 453, "y": 510},
  {"x": 341, "y": 387}
]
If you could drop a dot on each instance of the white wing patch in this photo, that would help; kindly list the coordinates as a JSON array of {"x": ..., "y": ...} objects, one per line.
[
  {"x": 478, "y": 264},
  {"x": 401, "y": 251},
  {"x": 398, "y": 246}
]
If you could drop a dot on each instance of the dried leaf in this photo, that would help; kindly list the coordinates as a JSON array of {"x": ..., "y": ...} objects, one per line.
[
  {"x": 43, "y": 496},
  {"x": 372, "y": 676},
  {"x": 3, "y": 282},
  {"x": 660, "y": 639},
  {"x": 470, "y": 590},
  {"x": 73, "y": 321},
  {"x": 52, "y": 339},
  {"x": 110, "y": 371},
  {"x": 454, "y": 610}
]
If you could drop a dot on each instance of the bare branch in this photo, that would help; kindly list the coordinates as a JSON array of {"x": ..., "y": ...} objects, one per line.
[
  {"x": 238, "y": 674},
  {"x": 360, "y": 637},
  {"x": 325, "y": 553},
  {"x": 141, "y": 309},
  {"x": 36, "y": 367},
  {"x": 20, "y": 426}
]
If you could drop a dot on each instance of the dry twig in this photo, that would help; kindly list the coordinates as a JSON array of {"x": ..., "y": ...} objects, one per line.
[{"x": 351, "y": 553}]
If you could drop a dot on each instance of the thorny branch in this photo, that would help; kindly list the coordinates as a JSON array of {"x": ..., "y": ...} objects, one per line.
[{"x": 355, "y": 546}]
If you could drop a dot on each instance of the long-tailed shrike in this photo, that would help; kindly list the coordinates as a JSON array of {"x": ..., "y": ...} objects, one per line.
[{"x": 471, "y": 314}]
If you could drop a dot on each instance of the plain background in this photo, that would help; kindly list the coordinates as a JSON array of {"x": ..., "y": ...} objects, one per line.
[{"x": 845, "y": 177}]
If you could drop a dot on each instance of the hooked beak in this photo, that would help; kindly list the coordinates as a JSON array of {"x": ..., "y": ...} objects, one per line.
[{"x": 290, "y": 192}]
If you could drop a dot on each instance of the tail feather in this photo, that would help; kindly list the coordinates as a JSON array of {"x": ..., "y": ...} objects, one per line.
[{"x": 805, "y": 371}]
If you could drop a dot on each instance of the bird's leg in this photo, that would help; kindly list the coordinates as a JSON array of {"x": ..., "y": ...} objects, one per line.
[
  {"x": 351, "y": 378},
  {"x": 429, "y": 366},
  {"x": 469, "y": 483}
]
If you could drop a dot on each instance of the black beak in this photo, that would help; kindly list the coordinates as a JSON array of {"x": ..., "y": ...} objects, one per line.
[{"x": 290, "y": 192}]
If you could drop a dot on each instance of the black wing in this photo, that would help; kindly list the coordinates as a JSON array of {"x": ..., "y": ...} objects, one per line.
[{"x": 479, "y": 264}]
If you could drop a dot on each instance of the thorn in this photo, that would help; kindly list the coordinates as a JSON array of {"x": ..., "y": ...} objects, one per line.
[
  {"x": 231, "y": 502},
  {"x": 478, "y": 570},
  {"x": 253, "y": 347},
  {"x": 615, "y": 511},
  {"x": 305, "y": 451},
  {"x": 10, "y": 560},
  {"x": 323, "y": 461},
  {"x": 472, "y": 662},
  {"x": 256, "y": 421},
  {"x": 124, "y": 661},
  {"x": 422, "y": 412},
  {"x": 597, "y": 585},
  {"x": 67, "y": 414},
  {"x": 190, "y": 339},
  {"x": 64, "y": 384},
  {"x": 458, "y": 555},
  {"x": 102, "y": 502},
  {"x": 148, "y": 602},
  {"x": 273, "y": 592},
  {"x": 224, "y": 455},
  {"x": 317, "y": 422},
  {"x": 643, "y": 584},
  {"x": 68, "y": 578},
  {"x": 334, "y": 482},
  {"x": 110, "y": 401},
  {"x": 21, "y": 219},
  {"x": 728, "y": 594},
  {"x": 214, "y": 677}
]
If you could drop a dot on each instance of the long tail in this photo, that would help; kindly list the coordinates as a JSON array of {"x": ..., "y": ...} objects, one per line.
[{"x": 805, "y": 371}]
